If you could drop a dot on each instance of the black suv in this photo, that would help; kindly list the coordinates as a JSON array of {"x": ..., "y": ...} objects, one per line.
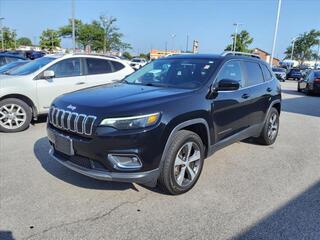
[{"x": 159, "y": 124}]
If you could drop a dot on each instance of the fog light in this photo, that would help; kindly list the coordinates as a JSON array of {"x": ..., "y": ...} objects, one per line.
[{"x": 125, "y": 161}]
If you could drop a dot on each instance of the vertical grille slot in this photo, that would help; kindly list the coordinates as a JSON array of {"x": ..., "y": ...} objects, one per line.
[{"x": 71, "y": 121}]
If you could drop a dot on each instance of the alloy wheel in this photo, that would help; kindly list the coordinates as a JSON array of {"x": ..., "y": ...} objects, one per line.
[
  {"x": 12, "y": 116},
  {"x": 273, "y": 126},
  {"x": 187, "y": 164}
]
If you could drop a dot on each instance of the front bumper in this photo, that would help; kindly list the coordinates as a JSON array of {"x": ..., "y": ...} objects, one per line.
[{"x": 148, "y": 178}]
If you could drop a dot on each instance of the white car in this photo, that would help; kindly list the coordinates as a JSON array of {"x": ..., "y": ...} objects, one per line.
[
  {"x": 137, "y": 63},
  {"x": 28, "y": 91}
]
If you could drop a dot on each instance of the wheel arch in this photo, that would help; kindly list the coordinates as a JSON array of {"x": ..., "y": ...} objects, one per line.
[
  {"x": 198, "y": 126},
  {"x": 24, "y": 98}
]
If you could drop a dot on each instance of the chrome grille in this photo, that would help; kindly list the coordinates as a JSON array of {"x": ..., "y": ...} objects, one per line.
[{"x": 71, "y": 121}]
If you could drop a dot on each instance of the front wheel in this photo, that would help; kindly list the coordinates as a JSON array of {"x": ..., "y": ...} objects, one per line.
[
  {"x": 15, "y": 115},
  {"x": 270, "y": 129},
  {"x": 183, "y": 163}
]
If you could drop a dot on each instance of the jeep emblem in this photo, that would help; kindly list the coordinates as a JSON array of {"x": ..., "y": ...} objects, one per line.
[{"x": 71, "y": 107}]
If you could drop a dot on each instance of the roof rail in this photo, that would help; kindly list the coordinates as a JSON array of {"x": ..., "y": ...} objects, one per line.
[
  {"x": 226, "y": 53},
  {"x": 95, "y": 54}
]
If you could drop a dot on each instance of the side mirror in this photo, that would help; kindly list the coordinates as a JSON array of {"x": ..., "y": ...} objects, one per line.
[
  {"x": 228, "y": 85},
  {"x": 48, "y": 74}
]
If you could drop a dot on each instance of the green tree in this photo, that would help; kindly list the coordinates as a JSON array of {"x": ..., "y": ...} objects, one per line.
[
  {"x": 99, "y": 35},
  {"x": 144, "y": 55},
  {"x": 49, "y": 39},
  {"x": 127, "y": 55},
  {"x": 24, "y": 41},
  {"x": 303, "y": 46},
  {"x": 8, "y": 38},
  {"x": 243, "y": 41}
]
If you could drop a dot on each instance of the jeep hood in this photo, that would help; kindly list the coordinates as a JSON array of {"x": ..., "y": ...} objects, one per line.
[{"x": 119, "y": 97}]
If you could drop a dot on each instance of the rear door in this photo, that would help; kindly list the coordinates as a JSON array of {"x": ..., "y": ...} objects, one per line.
[
  {"x": 231, "y": 108},
  {"x": 68, "y": 77},
  {"x": 100, "y": 71},
  {"x": 259, "y": 90}
]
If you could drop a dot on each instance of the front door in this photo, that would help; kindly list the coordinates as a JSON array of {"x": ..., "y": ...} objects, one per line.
[
  {"x": 230, "y": 108},
  {"x": 67, "y": 78}
]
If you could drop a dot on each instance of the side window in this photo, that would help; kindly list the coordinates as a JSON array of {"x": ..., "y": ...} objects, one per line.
[
  {"x": 66, "y": 68},
  {"x": 254, "y": 73},
  {"x": 98, "y": 66},
  {"x": 117, "y": 66},
  {"x": 10, "y": 59},
  {"x": 2, "y": 61},
  {"x": 266, "y": 73},
  {"x": 231, "y": 70}
]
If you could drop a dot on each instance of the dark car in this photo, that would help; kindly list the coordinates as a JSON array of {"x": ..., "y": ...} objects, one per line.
[
  {"x": 311, "y": 83},
  {"x": 280, "y": 73},
  {"x": 159, "y": 124},
  {"x": 7, "y": 58},
  {"x": 295, "y": 74},
  {"x": 29, "y": 54},
  {"x": 13, "y": 65}
]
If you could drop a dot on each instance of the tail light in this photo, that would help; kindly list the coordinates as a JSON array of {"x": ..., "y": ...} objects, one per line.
[{"x": 317, "y": 80}]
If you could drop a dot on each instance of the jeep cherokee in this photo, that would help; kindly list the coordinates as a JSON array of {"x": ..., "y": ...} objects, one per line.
[{"x": 159, "y": 124}]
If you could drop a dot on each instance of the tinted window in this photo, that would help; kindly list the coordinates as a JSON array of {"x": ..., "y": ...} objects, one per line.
[
  {"x": 66, "y": 68},
  {"x": 32, "y": 66},
  {"x": 117, "y": 66},
  {"x": 254, "y": 73},
  {"x": 98, "y": 66},
  {"x": 176, "y": 73},
  {"x": 2, "y": 61},
  {"x": 11, "y": 59},
  {"x": 266, "y": 73},
  {"x": 231, "y": 70}
]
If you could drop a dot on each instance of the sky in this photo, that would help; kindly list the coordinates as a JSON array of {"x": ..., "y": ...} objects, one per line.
[{"x": 149, "y": 24}]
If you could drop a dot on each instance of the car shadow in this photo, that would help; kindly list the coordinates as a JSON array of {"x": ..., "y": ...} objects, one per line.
[
  {"x": 41, "y": 151},
  {"x": 299, "y": 218}
]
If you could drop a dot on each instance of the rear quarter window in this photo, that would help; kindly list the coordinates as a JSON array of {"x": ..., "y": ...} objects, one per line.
[
  {"x": 266, "y": 72},
  {"x": 117, "y": 66}
]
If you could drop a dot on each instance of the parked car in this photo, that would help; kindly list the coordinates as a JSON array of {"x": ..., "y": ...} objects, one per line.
[
  {"x": 8, "y": 58},
  {"x": 29, "y": 54},
  {"x": 11, "y": 66},
  {"x": 311, "y": 83},
  {"x": 295, "y": 74},
  {"x": 137, "y": 63},
  {"x": 280, "y": 73},
  {"x": 29, "y": 90},
  {"x": 159, "y": 127}
]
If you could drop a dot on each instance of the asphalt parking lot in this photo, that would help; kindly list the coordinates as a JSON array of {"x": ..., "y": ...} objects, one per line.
[{"x": 246, "y": 191}]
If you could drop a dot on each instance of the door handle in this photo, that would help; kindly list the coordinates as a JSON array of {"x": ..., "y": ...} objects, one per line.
[
  {"x": 269, "y": 89},
  {"x": 80, "y": 83},
  {"x": 245, "y": 96}
]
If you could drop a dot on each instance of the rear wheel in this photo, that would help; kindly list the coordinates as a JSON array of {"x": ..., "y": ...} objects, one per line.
[
  {"x": 15, "y": 115},
  {"x": 183, "y": 163},
  {"x": 270, "y": 130}
]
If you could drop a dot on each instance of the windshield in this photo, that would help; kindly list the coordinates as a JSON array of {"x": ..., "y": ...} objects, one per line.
[
  {"x": 31, "y": 66},
  {"x": 136, "y": 60},
  {"x": 11, "y": 66},
  {"x": 177, "y": 73}
]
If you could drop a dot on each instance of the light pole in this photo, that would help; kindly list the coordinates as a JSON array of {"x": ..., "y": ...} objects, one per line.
[
  {"x": 187, "y": 43},
  {"x": 173, "y": 36},
  {"x": 275, "y": 32},
  {"x": 52, "y": 41},
  {"x": 1, "y": 26},
  {"x": 235, "y": 35},
  {"x": 292, "y": 49},
  {"x": 318, "y": 54},
  {"x": 104, "y": 22},
  {"x": 15, "y": 39},
  {"x": 73, "y": 29}
]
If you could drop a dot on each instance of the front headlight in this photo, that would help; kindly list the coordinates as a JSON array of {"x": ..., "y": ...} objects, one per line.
[{"x": 135, "y": 122}]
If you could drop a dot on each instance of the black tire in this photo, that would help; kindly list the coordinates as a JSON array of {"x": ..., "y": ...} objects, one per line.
[
  {"x": 167, "y": 180},
  {"x": 265, "y": 138},
  {"x": 25, "y": 108},
  {"x": 299, "y": 89}
]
